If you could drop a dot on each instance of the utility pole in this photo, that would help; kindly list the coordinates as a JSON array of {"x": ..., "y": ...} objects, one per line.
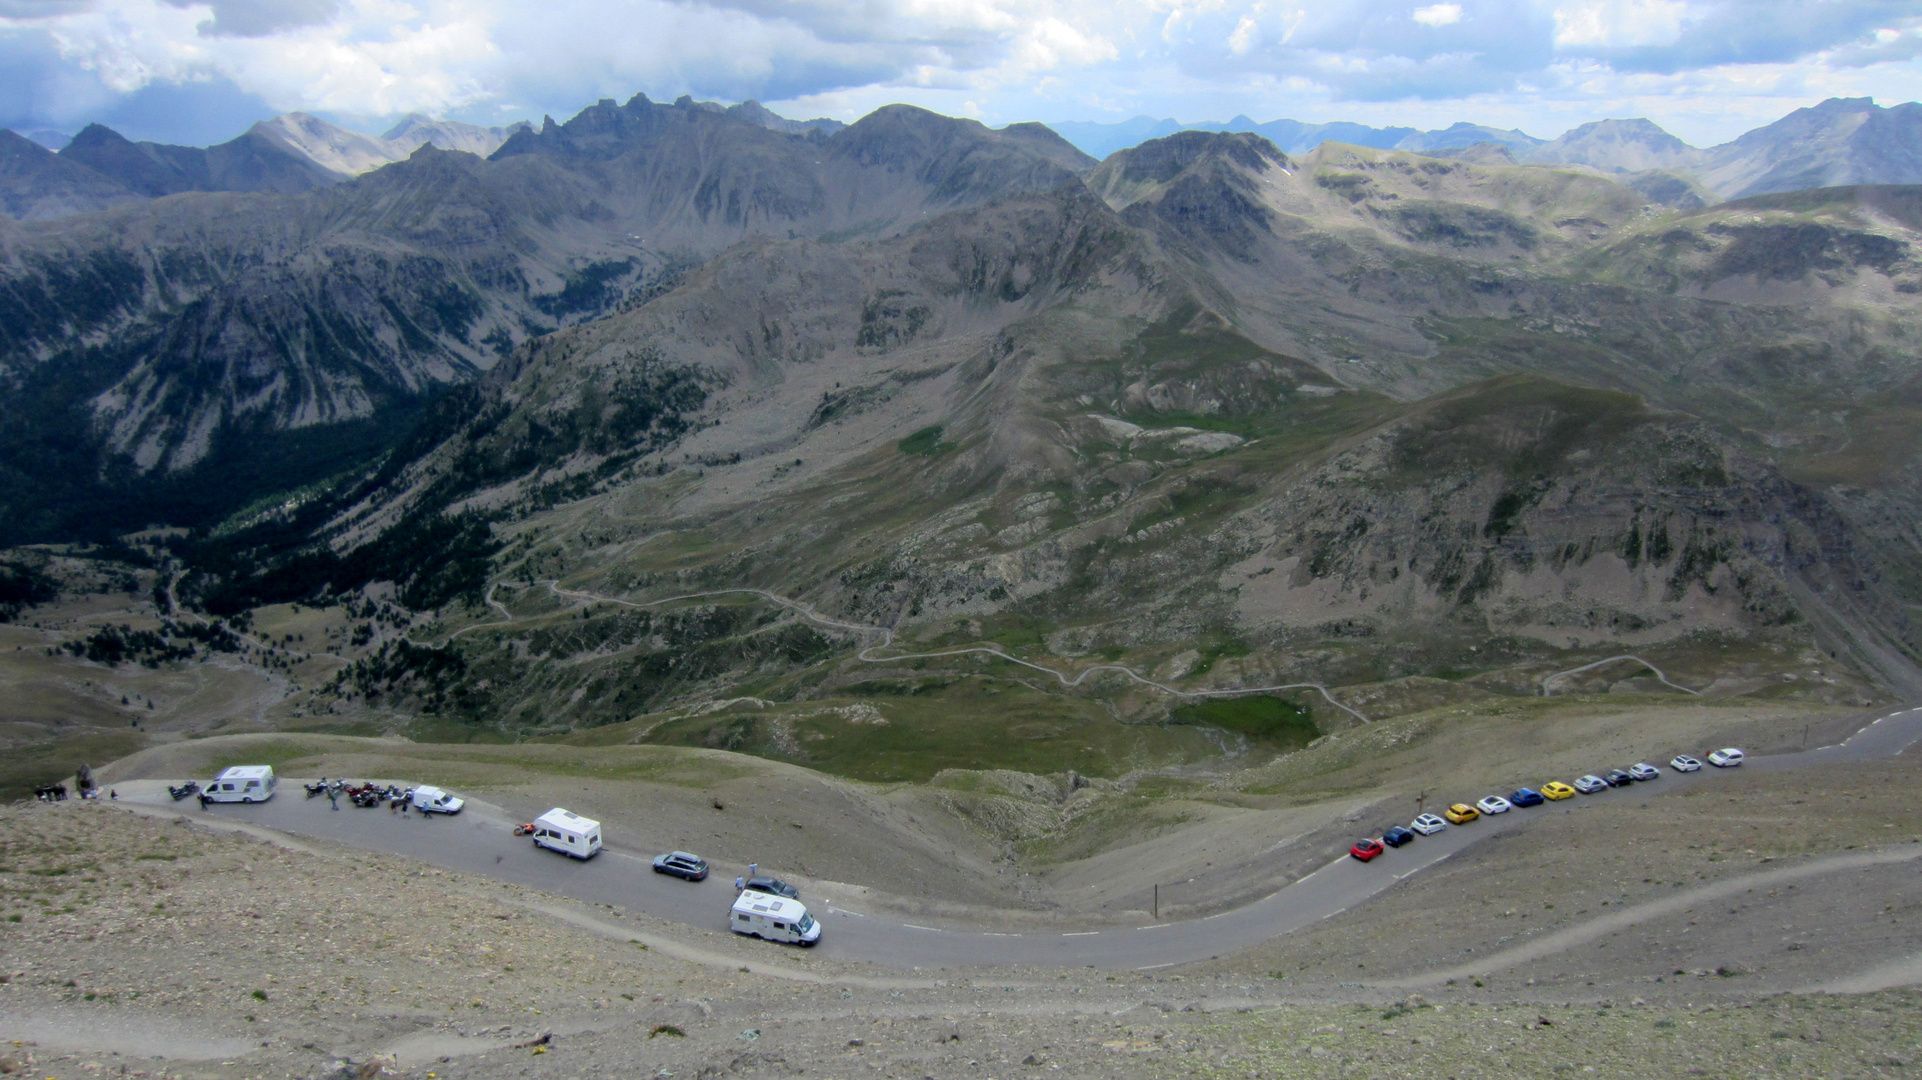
[
  {"x": 1421, "y": 797},
  {"x": 1157, "y": 901}
]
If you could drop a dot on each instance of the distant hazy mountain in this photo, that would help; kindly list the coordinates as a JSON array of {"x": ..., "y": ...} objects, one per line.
[
  {"x": 756, "y": 113},
  {"x": 37, "y": 184},
  {"x": 49, "y": 138},
  {"x": 1618, "y": 146},
  {"x": 256, "y": 161},
  {"x": 1841, "y": 141},
  {"x": 1291, "y": 136},
  {"x": 350, "y": 153},
  {"x": 1462, "y": 135}
]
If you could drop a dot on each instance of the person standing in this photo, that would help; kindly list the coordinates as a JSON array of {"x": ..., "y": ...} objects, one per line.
[{"x": 333, "y": 797}]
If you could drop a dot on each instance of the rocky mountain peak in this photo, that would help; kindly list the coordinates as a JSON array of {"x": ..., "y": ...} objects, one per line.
[
  {"x": 1159, "y": 161},
  {"x": 1631, "y": 145},
  {"x": 756, "y": 113},
  {"x": 1840, "y": 141},
  {"x": 37, "y": 184}
]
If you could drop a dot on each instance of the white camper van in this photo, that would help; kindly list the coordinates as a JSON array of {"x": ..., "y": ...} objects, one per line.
[
  {"x": 242, "y": 783},
  {"x": 568, "y": 833},
  {"x": 432, "y": 800},
  {"x": 775, "y": 918}
]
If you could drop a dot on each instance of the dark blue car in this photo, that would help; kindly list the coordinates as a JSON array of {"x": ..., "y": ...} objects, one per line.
[
  {"x": 1527, "y": 797},
  {"x": 1397, "y": 836}
]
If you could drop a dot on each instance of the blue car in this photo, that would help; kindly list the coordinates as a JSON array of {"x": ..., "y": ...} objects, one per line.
[
  {"x": 1527, "y": 797},
  {"x": 1397, "y": 836}
]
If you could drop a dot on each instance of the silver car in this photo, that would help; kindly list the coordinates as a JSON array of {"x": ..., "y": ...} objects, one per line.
[
  {"x": 1684, "y": 763},
  {"x": 1428, "y": 824},
  {"x": 1590, "y": 784}
]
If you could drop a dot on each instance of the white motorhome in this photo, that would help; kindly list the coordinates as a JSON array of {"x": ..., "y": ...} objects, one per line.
[
  {"x": 775, "y": 918},
  {"x": 242, "y": 783},
  {"x": 568, "y": 833},
  {"x": 432, "y": 800}
]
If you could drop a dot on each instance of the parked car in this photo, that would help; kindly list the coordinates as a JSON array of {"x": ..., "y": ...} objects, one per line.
[
  {"x": 1590, "y": 784},
  {"x": 1397, "y": 836},
  {"x": 1527, "y": 797},
  {"x": 1684, "y": 763},
  {"x": 1461, "y": 814},
  {"x": 1366, "y": 849},
  {"x": 773, "y": 886},
  {"x": 1557, "y": 791},
  {"x": 1494, "y": 804},
  {"x": 1642, "y": 770},
  {"x": 432, "y": 800},
  {"x": 681, "y": 864},
  {"x": 1617, "y": 778},
  {"x": 1428, "y": 824},
  {"x": 1726, "y": 758}
]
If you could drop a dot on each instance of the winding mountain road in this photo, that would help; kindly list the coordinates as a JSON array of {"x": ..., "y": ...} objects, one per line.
[{"x": 478, "y": 842}]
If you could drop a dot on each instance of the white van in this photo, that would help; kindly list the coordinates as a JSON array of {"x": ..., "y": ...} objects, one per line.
[
  {"x": 242, "y": 783},
  {"x": 775, "y": 918},
  {"x": 568, "y": 833},
  {"x": 432, "y": 800}
]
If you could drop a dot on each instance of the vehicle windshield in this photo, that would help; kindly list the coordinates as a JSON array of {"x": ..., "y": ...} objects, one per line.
[{"x": 806, "y": 924}]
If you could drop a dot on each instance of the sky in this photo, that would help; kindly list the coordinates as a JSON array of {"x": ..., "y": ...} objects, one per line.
[{"x": 200, "y": 71}]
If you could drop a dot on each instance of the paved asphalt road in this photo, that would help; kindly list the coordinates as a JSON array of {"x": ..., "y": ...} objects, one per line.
[{"x": 479, "y": 841}]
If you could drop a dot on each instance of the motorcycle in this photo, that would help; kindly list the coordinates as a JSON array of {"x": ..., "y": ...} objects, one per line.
[
  {"x": 367, "y": 797},
  {"x": 184, "y": 790},
  {"x": 316, "y": 789},
  {"x": 525, "y": 829}
]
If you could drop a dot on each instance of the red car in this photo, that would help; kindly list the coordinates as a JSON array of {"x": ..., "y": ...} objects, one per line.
[{"x": 1366, "y": 849}]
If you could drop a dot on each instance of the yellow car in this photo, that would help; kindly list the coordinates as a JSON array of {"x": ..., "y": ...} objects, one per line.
[
  {"x": 1461, "y": 814},
  {"x": 1555, "y": 789}
]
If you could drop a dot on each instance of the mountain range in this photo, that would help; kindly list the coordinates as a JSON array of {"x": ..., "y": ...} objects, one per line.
[
  {"x": 1841, "y": 141},
  {"x": 1206, "y": 406},
  {"x": 294, "y": 152}
]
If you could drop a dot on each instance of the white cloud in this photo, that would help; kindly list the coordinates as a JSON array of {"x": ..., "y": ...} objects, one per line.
[
  {"x": 1243, "y": 38},
  {"x": 1438, "y": 15},
  {"x": 1620, "y": 23},
  {"x": 1539, "y": 64}
]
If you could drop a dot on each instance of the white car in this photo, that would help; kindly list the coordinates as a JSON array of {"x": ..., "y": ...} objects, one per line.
[
  {"x": 432, "y": 800},
  {"x": 1726, "y": 758},
  {"x": 1684, "y": 763},
  {"x": 1428, "y": 824},
  {"x": 1642, "y": 770},
  {"x": 1590, "y": 784},
  {"x": 1494, "y": 804}
]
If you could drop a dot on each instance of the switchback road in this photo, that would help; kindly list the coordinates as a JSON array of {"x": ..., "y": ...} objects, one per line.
[{"x": 478, "y": 841}]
